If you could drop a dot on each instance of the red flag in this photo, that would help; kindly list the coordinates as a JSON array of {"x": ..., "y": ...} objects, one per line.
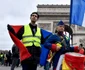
[{"x": 24, "y": 54}]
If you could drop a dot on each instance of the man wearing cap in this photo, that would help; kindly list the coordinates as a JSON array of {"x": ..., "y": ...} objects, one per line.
[{"x": 53, "y": 42}]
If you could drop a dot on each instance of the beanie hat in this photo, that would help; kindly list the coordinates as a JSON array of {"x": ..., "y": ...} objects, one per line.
[{"x": 60, "y": 23}]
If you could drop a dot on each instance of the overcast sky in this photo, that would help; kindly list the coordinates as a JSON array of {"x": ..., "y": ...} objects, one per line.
[{"x": 18, "y": 12}]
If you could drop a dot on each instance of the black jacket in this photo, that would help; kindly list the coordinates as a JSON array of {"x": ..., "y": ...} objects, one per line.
[{"x": 15, "y": 51}]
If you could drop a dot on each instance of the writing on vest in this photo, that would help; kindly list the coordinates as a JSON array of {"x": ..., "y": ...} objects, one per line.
[{"x": 28, "y": 39}]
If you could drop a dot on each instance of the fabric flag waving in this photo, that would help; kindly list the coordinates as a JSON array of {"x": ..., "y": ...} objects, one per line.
[
  {"x": 77, "y": 12},
  {"x": 24, "y": 54},
  {"x": 45, "y": 51}
]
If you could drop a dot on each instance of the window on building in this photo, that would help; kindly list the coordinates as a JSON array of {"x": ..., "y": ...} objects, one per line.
[{"x": 46, "y": 26}]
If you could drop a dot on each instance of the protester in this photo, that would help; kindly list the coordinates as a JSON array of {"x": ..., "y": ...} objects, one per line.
[
  {"x": 8, "y": 55},
  {"x": 32, "y": 37},
  {"x": 2, "y": 58},
  {"x": 15, "y": 56},
  {"x": 59, "y": 44}
]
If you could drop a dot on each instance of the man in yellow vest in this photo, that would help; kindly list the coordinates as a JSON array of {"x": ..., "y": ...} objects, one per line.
[
  {"x": 2, "y": 58},
  {"x": 32, "y": 38}
]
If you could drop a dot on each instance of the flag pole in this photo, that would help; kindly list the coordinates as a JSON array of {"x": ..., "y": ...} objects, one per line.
[{"x": 70, "y": 20}]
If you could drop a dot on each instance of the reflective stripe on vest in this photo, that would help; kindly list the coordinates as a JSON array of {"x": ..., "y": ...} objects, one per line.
[{"x": 28, "y": 38}]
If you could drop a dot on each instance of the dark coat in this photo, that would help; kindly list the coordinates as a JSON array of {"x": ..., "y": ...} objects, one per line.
[{"x": 15, "y": 51}]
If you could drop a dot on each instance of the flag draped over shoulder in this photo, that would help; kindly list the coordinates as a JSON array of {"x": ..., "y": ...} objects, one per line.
[
  {"x": 77, "y": 12},
  {"x": 44, "y": 51}
]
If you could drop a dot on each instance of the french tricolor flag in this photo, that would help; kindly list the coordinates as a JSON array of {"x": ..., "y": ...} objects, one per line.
[{"x": 77, "y": 12}]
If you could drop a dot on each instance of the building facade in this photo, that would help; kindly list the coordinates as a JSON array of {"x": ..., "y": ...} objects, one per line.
[{"x": 50, "y": 15}]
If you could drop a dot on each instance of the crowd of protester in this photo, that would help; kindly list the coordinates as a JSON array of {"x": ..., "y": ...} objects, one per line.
[{"x": 6, "y": 59}]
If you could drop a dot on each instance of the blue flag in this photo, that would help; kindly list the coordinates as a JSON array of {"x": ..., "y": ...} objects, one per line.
[
  {"x": 77, "y": 12},
  {"x": 44, "y": 50}
]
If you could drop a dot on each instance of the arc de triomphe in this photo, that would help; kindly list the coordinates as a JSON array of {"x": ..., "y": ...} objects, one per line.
[{"x": 50, "y": 15}]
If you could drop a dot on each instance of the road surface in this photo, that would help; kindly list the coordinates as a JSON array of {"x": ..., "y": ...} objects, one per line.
[{"x": 18, "y": 68}]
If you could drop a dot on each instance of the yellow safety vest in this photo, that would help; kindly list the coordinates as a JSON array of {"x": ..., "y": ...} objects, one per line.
[
  {"x": 1, "y": 55},
  {"x": 28, "y": 39}
]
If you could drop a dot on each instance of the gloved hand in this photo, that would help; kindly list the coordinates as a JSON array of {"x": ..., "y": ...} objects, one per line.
[{"x": 10, "y": 29}]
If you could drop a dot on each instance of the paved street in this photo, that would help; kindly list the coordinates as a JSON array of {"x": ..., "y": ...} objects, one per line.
[
  {"x": 19, "y": 68},
  {"x": 8, "y": 68}
]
